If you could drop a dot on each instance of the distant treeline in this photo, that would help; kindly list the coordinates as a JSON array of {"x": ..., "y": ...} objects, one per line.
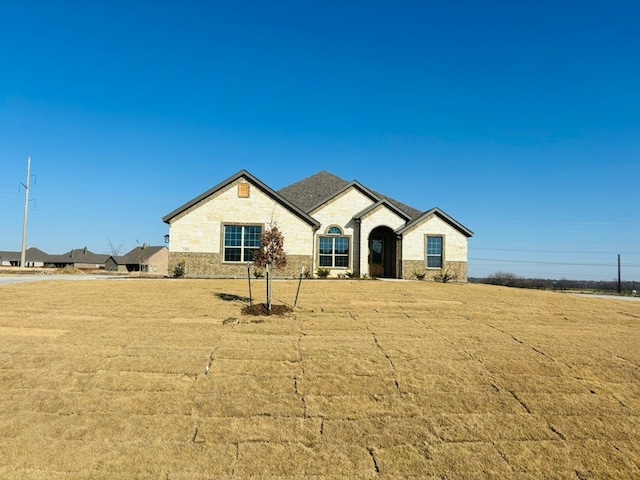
[{"x": 507, "y": 279}]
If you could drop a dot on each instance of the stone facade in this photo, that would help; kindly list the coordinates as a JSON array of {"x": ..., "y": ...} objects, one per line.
[
  {"x": 457, "y": 271},
  {"x": 197, "y": 233},
  {"x": 339, "y": 212},
  {"x": 305, "y": 212},
  {"x": 454, "y": 250},
  {"x": 209, "y": 265},
  {"x": 379, "y": 217},
  {"x": 200, "y": 229},
  {"x": 414, "y": 240}
]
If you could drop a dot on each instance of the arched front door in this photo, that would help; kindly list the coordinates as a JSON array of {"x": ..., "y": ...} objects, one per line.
[{"x": 382, "y": 253}]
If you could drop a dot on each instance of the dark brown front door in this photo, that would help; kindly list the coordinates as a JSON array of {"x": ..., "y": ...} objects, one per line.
[{"x": 376, "y": 257}]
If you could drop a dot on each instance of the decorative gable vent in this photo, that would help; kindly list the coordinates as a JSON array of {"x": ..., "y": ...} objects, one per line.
[{"x": 243, "y": 190}]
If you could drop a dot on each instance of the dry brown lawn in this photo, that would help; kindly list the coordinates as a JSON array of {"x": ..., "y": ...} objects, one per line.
[{"x": 366, "y": 379}]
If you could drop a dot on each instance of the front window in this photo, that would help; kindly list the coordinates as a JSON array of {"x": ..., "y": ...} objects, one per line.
[
  {"x": 334, "y": 249},
  {"x": 241, "y": 242},
  {"x": 434, "y": 252}
]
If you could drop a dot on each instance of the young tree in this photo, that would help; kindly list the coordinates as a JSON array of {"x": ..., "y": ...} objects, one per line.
[{"x": 271, "y": 256}]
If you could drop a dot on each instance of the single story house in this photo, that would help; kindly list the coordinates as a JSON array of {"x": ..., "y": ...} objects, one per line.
[
  {"x": 33, "y": 258},
  {"x": 81, "y": 258},
  {"x": 144, "y": 259},
  {"x": 327, "y": 223}
]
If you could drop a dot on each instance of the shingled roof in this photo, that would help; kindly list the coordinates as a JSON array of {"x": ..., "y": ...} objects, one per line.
[
  {"x": 313, "y": 191},
  {"x": 31, "y": 255},
  {"x": 138, "y": 255},
  {"x": 79, "y": 255}
]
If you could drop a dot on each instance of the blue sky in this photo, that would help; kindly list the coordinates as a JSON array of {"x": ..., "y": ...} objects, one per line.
[{"x": 519, "y": 119}]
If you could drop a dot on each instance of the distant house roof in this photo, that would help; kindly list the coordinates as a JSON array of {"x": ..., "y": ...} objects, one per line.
[
  {"x": 9, "y": 256},
  {"x": 72, "y": 257},
  {"x": 36, "y": 255},
  {"x": 79, "y": 255},
  {"x": 32, "y": 255},
  {"x": 138, "y": 255}
]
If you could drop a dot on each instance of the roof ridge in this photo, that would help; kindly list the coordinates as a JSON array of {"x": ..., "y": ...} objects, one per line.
[{"x": 313, "y": 190}]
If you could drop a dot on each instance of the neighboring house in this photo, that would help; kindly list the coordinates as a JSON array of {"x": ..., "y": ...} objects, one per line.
[
  {"x": 327, "y": 222},
  {"x": 80, "y": 258},
  {"x": 145, "y": 259},
  {"x": 33, "y": 258}
]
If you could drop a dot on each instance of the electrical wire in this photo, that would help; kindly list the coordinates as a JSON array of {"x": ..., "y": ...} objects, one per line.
[{"x": 532, "y": 262}]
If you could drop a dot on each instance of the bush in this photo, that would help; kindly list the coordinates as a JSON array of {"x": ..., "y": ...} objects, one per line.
[
  {"x": 444, "y": 276},
  {"x": 323, "y": 272},
  {"x": 506, "y": 279},
  {"x": 180, "y": 269},
  {"x": 258, "y": 273},
  {"x": 420, "y": 275}
]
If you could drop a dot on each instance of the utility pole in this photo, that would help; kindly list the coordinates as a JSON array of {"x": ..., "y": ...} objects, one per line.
[
  {"x": 23, "y": 256},
  {"x": 619, "y": 283}
]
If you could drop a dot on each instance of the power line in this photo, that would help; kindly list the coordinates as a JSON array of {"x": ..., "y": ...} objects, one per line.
[
  {"x": 532, "y": 262},
  {"x": 550, "y": 222},
  {"x": 554, "y": 251}
]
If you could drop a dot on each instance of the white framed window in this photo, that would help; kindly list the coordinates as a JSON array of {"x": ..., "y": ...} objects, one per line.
[
  {"x": 241, "y": 242},
  {"x": 434, "y": 251},
  {"x": 333, "y": 249}
]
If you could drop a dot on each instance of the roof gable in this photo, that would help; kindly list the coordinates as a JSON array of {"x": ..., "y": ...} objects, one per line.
[
  {"x": 410, "y": 212},
  {"x": 385, "y": 204},
  {"x": 296, "y": 210},
  {"x": 440, "y": 214},
  {"x": 352, "y": 185}
]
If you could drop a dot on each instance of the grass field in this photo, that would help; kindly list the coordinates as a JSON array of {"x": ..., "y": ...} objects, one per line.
[{"x": 366, "y": 379}]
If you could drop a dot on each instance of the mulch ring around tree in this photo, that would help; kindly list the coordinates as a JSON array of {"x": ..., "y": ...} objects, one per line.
[{"x": 260, "y": 309}]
